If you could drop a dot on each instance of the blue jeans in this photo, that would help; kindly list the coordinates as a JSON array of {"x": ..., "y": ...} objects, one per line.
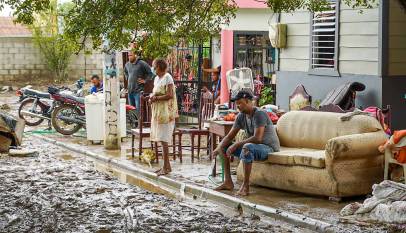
[
  {"x": 250, "y": 152},
  {"x": 134, "y": 100}
]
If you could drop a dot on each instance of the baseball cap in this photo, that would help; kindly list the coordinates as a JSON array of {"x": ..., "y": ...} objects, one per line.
[{"x": 243, "y": 94}]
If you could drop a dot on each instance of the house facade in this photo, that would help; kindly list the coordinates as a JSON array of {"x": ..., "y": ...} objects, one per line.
[{"x": 327, "y": 49}]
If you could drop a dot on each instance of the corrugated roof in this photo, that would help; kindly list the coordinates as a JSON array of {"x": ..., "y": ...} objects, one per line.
[{"x": 9, "y": 29}]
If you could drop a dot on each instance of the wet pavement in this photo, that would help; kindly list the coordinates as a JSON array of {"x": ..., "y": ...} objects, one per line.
[
  {"x": 197, "y": 173},
  {"x": 59, "y": 191}
]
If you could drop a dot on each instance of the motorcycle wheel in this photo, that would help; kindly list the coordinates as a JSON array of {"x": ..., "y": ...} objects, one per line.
[
  {"x": 132, "y": 120},
  {"x": 62, "y": 126},
  {"x": 27, "y": 105}
]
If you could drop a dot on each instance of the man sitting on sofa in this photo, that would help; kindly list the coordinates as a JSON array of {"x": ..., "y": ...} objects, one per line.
[{"x": 262, "y": 139}]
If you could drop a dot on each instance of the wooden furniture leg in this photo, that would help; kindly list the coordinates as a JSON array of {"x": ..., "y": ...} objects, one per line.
[
  {"x": 198, "y": 146},
  {"x": 192, "y": 137},
  {"x": 173, "y": 146},
  {"x": 213, "y": 147},
  {"x": 132, "y": 145},
  {"x": 156, "y": 152},
  {"x": 180, "y": 146}
]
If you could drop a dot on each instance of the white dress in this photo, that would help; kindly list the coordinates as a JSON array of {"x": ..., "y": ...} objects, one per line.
[{"x": 161, "y": 132}]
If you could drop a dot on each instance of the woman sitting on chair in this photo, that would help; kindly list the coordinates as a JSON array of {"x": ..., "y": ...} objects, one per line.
[{"x": 164, "y": 111}]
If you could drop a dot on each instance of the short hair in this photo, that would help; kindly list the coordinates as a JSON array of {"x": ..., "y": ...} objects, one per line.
[
  {"x": 161, "y": 64},
  {"x": 95, "y": 76}
]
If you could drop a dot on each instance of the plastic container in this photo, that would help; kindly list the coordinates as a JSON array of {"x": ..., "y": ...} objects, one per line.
[{"x": 95, "y": 117}]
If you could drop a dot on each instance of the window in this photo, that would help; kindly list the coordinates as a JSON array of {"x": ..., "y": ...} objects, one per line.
[
  {"x": 324, "y": 39},
  {"x": 254, "y": 50}
]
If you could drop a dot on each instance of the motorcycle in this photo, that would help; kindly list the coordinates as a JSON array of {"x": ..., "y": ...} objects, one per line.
[
  {"x": 68, "y": 117},
  {"x": 37, "y": 106}
]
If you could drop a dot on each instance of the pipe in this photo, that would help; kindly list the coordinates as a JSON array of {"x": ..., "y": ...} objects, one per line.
[{"x": 35, "y": 115}]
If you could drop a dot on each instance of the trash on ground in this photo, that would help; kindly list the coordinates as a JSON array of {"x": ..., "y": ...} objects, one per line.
[
  {"x": 22, "y": 152},
  {"x": 11, "y": 131},
  {"x": 387, "y": 205}
]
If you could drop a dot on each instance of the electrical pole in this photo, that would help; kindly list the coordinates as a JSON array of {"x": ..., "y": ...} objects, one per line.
[{"x": 111, "y": 86}]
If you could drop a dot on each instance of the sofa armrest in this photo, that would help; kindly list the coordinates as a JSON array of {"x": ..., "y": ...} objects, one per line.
[{"x": 355, "y": 145}]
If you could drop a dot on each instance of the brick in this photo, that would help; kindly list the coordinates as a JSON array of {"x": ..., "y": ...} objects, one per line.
[
  {"x": 25, "y": 71},
  {"x": 30, "y": 66},
  {"x": 35, "y": 71},
  {"x": 14, "y": 72},
  {"x": 8, "y": 66},
  {"x": 19, "y": 56},
  {"x": 14, "y": 50},
  {"x": 4, "y": 72},
  {"x": 7, "y": 45},
  {"x": 19, "y": 67},
  {"x": 40, "y": 67},
  {"x": 18, "y": 45}
]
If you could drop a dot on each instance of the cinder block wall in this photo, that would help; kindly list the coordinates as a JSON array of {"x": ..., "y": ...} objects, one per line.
[{"x": 20, "y": 61}]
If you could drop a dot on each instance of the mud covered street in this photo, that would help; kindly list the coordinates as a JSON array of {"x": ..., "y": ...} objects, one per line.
[{"x": 57, "y": 191}]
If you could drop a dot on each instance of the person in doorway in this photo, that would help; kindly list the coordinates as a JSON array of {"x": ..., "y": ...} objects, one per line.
[
  {"x": 164, "y": 109},
  {"x": 216, "y": 79},
  {"x": 137, "y": 72},
  {"x": 97, "y": 84},
  {"x": 262, "y": 139}
]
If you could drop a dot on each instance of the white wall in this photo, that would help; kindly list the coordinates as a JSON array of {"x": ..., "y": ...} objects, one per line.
[
  {"x": 358, "y": 41},
  {"x": 251, "y": 20}
]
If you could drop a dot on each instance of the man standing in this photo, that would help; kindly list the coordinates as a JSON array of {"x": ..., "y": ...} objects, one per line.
[
  {"x": 262, "y": 140},
  {"x": 137, "y": 72}
]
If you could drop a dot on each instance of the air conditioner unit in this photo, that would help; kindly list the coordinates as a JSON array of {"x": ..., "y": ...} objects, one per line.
[{"x": 277, "y": 35}]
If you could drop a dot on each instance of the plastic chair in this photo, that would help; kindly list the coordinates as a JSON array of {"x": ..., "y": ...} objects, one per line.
[{"x": 389, "y": 158}]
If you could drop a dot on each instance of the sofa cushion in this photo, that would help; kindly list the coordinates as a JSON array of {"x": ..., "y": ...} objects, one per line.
[
  {"x": 308, "y": 129},
  {"x": 298, "y": 156}
]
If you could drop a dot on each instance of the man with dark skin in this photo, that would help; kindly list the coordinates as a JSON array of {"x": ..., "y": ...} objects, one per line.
[
  {"x": 97, "y": 84},
  {"x": 262, "y": 140}
]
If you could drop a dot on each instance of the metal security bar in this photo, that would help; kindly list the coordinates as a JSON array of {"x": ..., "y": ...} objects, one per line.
[{"x": 324, "y": 38}]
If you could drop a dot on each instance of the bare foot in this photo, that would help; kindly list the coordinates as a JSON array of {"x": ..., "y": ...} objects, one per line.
[
  {"x": 244, "y": 191},
  {"x": 225, "y": 186}
]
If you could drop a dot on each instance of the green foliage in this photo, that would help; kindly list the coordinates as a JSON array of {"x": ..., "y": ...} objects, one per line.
[
  {"x": 55, "y": 48},
  {"x": 153, "y": 26},
  {"x": 266, "y": 96},
  {"x": 316, "y": 104},
  {"x": 278, "y": 6}
]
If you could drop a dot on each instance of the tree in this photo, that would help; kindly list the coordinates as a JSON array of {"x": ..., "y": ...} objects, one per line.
[
  {"x": 163, "y": 21},
  {"x": 122, "y": 21},
  {"x": 278, "y": 6},
  {"x": 55, "y": 47}
]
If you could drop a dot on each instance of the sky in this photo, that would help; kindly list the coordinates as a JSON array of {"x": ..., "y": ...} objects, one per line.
[{"x": 8, "y": 12}]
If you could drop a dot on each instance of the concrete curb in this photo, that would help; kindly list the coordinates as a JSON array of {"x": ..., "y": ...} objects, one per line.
[{"x": 190, "y": 189}]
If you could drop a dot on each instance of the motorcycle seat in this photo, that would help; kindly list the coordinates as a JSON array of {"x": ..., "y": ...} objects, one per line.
[
  {"x": 40, "y": 94},
  {"x": 77, "y": 99}
]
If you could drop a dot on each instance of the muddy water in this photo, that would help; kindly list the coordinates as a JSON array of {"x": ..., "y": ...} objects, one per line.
[{"x": 62, "y": 192}]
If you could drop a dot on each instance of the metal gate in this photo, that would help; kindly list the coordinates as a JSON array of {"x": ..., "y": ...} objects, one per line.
[{"x": 185, "y": 64}]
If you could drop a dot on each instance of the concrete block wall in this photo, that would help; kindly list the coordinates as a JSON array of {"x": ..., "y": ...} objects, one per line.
[{"x": 21, "y": 61}]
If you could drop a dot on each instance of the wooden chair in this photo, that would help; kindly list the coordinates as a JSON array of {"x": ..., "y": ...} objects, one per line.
[
  {"x": 299, "y": 98},
  {"x": 206, "y": 111},
  {"x": 144, "y": 131}
]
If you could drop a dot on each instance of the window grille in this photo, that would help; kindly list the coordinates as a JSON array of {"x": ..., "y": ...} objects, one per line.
[{"x": 324, "y": 38}]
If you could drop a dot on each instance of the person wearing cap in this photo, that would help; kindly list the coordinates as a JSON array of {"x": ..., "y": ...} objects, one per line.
[{"x": 262, "y": 140}]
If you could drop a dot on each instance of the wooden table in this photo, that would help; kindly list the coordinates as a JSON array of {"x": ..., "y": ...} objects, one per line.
[{"x": 218, "y": 129}]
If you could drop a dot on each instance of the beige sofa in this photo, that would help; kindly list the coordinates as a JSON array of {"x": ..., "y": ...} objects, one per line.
[{"x": 322, "y": 155}]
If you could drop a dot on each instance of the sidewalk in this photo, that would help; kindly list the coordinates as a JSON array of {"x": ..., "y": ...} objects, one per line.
[{"x": 196, "y": 174}]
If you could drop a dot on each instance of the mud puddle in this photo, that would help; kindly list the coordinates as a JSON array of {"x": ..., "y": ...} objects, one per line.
[{"x": 59, "y": 191}]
